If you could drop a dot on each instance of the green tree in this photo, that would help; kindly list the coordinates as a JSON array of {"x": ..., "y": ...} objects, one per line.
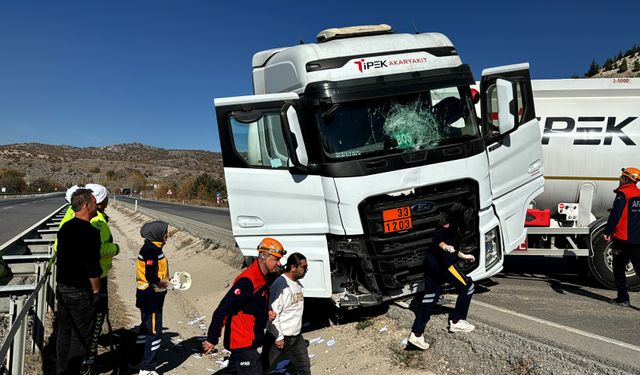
[
  {"x": 111, "y": 174},
  {"x": 44, "y": 185},
  {"x": 593, "y": 69},
  {"x": 13, "y": 181},
  {"x": 608, "y": 65},
  {"x": 136, "y": 180},
  {"x": 623, "y": 67},
  {"x": 40, "y": 185},
  {"x": 184, "y": 190},
  {"x": 636, "y": 66},
  {"x": 205, "y": 187}
]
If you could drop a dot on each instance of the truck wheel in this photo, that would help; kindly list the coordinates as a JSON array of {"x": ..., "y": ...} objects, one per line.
[{"x": 601, "y": 263}]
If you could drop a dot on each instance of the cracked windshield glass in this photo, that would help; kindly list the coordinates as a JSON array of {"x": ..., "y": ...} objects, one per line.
[{"x": 404, "y": 123}]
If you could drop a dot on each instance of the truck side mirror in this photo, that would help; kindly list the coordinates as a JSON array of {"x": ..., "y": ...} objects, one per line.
[
  {"x": 506, "y": 105},
  {"x": 293, "y": 136}
]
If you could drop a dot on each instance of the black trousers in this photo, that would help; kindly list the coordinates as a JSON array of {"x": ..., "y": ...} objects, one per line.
[
  {"x": 75, "y": 307},
  {"x": 295, "y": 349},
  {"x": 622, "y": 254},
  {"x": 100, "y": 314},
  {"x": 243, "y": 362},
  {"x": 435, "y": 276}
]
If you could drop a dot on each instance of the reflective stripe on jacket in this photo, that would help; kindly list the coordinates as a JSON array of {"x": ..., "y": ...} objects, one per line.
[{"x": 151, "y": 267}]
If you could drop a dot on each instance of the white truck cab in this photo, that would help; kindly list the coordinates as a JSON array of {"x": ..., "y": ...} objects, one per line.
[{"x": 353, "y": 147}]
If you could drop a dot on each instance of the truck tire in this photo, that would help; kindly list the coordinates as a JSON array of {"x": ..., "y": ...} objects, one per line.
[{"x": 601, "y": 261}]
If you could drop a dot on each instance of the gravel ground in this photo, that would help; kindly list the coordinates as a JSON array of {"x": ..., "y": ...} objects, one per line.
[
  {"x": 366, "y": 341},
  {"x": 489, "y": 350}
]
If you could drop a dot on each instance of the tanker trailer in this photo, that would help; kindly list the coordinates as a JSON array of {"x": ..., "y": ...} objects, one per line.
[{"x": 590, "y": 130}]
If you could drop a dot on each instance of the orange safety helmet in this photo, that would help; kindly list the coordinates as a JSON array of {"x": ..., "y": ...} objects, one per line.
[
  {"x": 272, "y": 246},
  {"x": 632, "y": 173}
]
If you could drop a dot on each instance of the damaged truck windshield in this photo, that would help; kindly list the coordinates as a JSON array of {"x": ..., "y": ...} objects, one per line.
[{"x": 408, "y": 122}]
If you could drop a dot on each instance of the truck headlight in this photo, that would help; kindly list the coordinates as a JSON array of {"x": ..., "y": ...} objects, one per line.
[{"x": 492, "y": 251}]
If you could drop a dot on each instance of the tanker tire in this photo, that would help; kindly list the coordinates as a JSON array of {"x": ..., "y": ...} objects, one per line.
[{"x": 601, "y": 266}]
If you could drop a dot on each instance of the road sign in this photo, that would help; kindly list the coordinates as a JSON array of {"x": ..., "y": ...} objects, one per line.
[{"x": 169, "y": 192}]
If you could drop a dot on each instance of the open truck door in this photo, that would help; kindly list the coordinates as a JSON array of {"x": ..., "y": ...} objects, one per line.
[
  {"x": 270, "y": 193},
  {"x": 512, "y": 136}
]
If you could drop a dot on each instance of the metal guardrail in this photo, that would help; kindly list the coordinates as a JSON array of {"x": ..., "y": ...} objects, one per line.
[
  {"x": 202, "y": 230},
  {"x": 17, "y": 300},
  {"x": 28, "y": 195}
]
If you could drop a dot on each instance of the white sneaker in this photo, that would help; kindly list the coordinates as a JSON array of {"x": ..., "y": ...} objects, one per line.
[
  {"x": 147, "y": 372},
  {"x": 418, "y": 341},
  {"x": 461, "y": 326}
]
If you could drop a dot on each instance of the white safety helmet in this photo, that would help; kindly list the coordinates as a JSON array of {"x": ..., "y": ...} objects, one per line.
[
  {"x": 98, "y": 191},
  {"x": 70, "y": 192}
]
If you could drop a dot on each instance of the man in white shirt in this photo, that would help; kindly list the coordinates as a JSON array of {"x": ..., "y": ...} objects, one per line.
[{"x": 287, "y": 301}]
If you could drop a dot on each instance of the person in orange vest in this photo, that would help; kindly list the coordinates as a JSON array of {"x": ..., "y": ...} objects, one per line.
[
  {"x": 623, "y": 230},
  {"x": 244, "y": 311}
]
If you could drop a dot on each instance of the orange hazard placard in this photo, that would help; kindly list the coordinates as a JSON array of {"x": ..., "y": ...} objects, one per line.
[{"x": 397, "y": 219}]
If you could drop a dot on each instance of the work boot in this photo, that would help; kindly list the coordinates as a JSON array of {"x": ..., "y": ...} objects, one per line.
[
  {"x": 418, "y": 341},
  {"x": 620, "y": 302},
  {"x": 461, "y": 326}
]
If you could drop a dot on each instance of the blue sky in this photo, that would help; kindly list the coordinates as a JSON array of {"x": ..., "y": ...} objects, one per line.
[{"x": 94, "y": 73}]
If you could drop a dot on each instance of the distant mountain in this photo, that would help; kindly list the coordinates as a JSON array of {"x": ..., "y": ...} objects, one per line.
[
  {"x": 114, "y": 166},
  {"x": 625, "y": 64}
]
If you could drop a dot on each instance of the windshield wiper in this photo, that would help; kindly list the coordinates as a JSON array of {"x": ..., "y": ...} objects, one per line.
[{"x": 329, "y": 112}]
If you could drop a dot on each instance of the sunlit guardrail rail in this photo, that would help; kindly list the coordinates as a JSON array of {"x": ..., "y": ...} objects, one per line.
[
  {"x": 28, "y": 195},
  {"x": 28, "y": 289}
]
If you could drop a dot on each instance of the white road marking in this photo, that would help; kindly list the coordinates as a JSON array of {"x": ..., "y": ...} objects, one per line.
[
  {"x": 6, "y": 208},
  {"x": 560, "y": 326}
]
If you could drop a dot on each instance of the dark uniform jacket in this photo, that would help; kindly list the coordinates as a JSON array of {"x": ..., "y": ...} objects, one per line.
[
  {"x": 151, "y": 267},
  {"x": 242, "y": 311},
  {"x": 624, "y": 220},
  {"x": 448, "y": 234}
]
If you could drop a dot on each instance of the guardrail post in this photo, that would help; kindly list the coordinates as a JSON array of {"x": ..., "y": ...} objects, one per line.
[
  {"x": 51, "y": 292},
  {"x": 41, "y": 306},
  {"x": 16, "y": 353},
  {"x": 135, "y": 207}
]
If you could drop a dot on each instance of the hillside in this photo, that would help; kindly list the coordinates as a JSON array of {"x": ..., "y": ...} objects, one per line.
[
  {"x": 123, "y": 165},
  {"x": 625, "y": 64}
]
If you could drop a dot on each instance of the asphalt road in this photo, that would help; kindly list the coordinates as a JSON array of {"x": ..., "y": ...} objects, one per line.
[
  {"x": 218, "y": 217},
  {"x": 17, "y": 215},
  {"x": 556, "y": 290},
  {"x": 549, "y": 298}
]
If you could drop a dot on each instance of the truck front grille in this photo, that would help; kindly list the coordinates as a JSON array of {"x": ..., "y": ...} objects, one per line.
[{"x": 397, "y": 256}]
